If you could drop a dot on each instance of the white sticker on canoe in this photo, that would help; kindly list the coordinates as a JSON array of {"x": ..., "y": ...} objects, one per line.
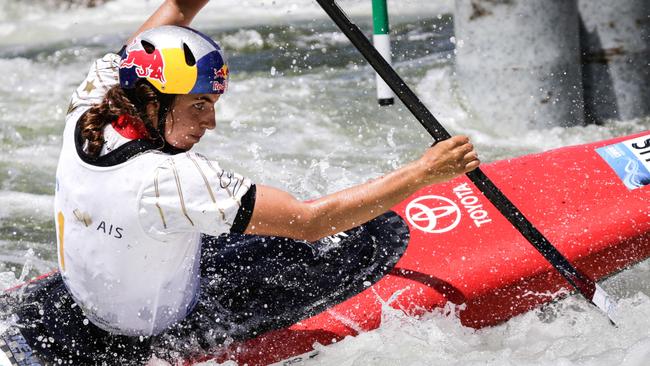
[
  {"x": 630, "y": 160},
  {"x": 433, "y": 214}
]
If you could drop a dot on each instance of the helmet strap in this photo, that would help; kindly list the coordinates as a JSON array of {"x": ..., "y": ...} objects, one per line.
[
  {"x": 165, "y": 104},
  {"x": 166, "y": 101}
]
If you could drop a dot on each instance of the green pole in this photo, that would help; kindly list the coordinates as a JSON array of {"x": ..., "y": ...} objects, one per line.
[
  {"x": 380, "y": 17},
  {"x": 381, "y": 40}
]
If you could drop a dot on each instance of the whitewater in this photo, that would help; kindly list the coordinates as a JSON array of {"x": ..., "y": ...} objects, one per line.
[{"x": 301, "y": 114}]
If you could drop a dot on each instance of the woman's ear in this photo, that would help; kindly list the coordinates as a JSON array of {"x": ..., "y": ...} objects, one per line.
[
  {"x": 169, "y": 119},
  {"x": 152, "y": 113}
]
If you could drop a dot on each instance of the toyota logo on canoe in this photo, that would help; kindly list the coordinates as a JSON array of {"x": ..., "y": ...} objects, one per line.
[{"x": 433, "y": 214}]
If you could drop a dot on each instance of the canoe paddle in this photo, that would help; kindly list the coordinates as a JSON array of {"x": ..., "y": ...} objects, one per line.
[{"x": 586, "y": 286}]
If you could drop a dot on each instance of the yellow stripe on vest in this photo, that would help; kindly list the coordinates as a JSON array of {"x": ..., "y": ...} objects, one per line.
[{"x": 60, "y": 219}]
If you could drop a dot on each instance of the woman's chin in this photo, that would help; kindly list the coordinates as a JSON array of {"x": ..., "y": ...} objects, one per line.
[{"x": 186, "y": 144}]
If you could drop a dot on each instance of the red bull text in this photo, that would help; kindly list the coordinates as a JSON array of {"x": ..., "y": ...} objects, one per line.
[{"x": 221, "y": 79}]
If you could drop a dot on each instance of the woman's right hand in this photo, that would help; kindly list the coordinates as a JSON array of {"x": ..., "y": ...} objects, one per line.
[{"x": 448, "y": 159}]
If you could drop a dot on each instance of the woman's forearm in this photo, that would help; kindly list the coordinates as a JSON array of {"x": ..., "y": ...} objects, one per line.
[
  {"x": 278, "y": 213},
  {"x": 172, "y": 12},
  {"x": 354, "y": 206}
]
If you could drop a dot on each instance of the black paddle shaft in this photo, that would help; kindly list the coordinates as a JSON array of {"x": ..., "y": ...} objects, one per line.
[{"x": 578, "y": 280}]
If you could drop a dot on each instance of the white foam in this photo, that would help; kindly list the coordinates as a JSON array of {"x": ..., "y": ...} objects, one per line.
[
  {"x": 575, "y": 334},
  {"x": 569, "y": 332},
  {"x": 311, "y": 134},
  {"x": 503, "y": 139},
  {"x": 13, "y": 204},
  {"x": 245, "y": 38},
  {"x": 24, "y": 23}
]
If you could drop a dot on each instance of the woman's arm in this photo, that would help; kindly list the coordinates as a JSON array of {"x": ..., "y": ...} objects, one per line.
[
  {"x": 172, "y": 12},
  {"x": 280, "y": 214}
]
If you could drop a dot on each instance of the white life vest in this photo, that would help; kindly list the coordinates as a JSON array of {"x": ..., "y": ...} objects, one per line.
[
  {"x": 125, "y": 281},
  {"x": 129, "y": 234}
]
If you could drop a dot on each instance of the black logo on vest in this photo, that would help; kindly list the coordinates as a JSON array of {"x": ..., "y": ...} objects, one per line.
[{"x": 110, "y": 229}]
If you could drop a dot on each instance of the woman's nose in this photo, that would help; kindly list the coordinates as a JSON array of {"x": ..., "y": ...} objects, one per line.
[{"x": 210, "y": 122}]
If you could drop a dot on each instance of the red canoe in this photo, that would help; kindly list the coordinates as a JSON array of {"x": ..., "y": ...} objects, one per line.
[{"x": 588, "y": 200}]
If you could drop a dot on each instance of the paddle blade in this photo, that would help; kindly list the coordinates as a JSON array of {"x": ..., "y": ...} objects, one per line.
[{"x": 605, "y": 303}]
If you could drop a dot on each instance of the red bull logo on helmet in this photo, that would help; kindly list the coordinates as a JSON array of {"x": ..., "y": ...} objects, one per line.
[
  {"x": 221, "y": 79},
  {"x": 147, "y": 65}
]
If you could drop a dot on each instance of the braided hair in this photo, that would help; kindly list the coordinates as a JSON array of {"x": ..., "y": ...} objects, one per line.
[{"x": 132, "y": 102}]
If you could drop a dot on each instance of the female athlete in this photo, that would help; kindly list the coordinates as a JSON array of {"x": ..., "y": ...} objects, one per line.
[{"x": 160, "y": 249}]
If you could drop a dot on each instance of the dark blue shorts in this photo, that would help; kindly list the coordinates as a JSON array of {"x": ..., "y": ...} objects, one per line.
[{"x": 249, "y": 285}]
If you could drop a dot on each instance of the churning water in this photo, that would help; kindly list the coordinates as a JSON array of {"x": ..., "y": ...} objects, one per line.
[{"x": 300, "y": 114}]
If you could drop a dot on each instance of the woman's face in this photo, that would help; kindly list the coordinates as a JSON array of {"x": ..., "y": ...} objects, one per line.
[{"x": 188, "y": 119}]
